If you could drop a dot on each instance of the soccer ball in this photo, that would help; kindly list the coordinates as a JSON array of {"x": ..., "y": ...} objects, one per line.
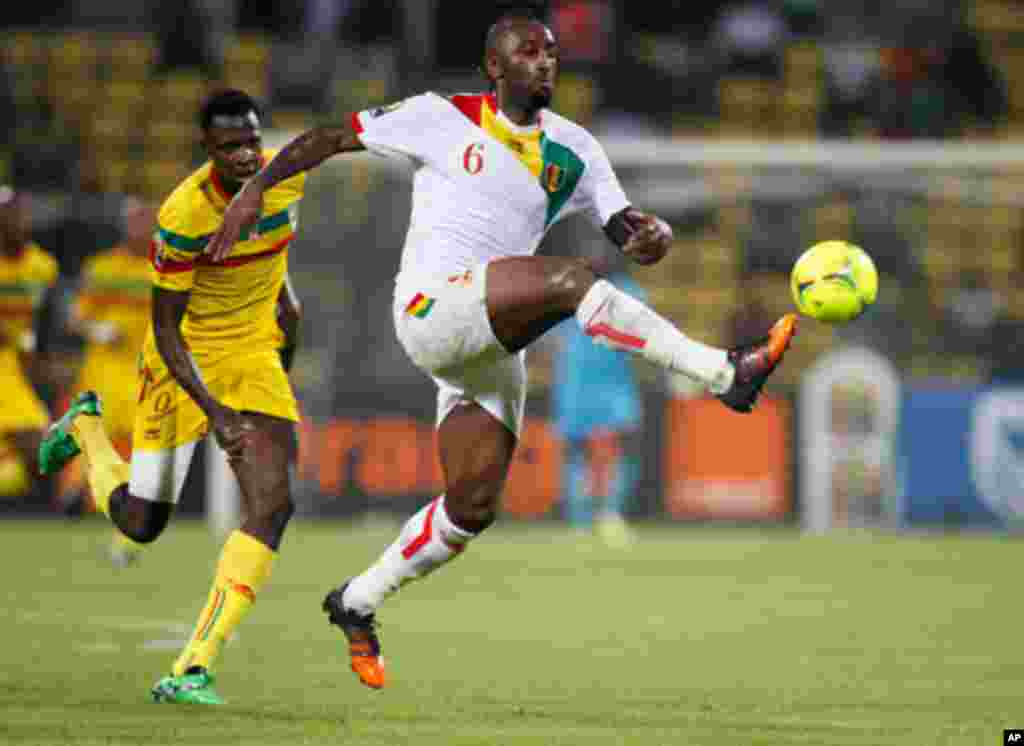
[{"x": 834, "y": 282}]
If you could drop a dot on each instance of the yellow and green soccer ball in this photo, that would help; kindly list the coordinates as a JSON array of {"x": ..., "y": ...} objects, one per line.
[{"x": 834, "y": 282}]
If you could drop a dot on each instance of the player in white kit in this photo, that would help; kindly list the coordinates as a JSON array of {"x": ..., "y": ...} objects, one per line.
[{"x": 492, "y": 173}]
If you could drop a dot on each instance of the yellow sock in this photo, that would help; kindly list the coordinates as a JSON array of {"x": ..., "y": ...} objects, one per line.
[
  {"x": 105, "y": 469},
  {"x": 245, "y": 564}
]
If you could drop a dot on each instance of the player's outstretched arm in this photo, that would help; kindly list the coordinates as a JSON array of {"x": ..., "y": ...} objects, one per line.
[
  {"x": 644, "y": 238},
  {"x": 306, "y": 151},
  {"x": 229, "y": 426}
]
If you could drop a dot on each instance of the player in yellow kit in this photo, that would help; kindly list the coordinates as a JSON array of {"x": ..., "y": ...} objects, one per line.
[
  {"x": 112, "y": 313},
  {"x": 210, "y": 361},
  {"x": 26, "y": 271}
]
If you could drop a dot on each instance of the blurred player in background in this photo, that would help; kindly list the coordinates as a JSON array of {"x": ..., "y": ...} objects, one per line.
[
  {"x": 26, "y": 273},
  {"x": 492, "y": 173},
  {"x": 112, "y": 314},
  {"x": 597, "y": 408},
  {"x": 211, "y": 360}
]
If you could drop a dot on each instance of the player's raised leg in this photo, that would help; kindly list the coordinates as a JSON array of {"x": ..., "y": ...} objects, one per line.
[
  {"x": 123, "y": 550},
  {"x": 81, "y": 430},
  {"x": 245, "y": 562},
  {"x": 526, "y": 296},
  {"x": 475, "y": 451}
]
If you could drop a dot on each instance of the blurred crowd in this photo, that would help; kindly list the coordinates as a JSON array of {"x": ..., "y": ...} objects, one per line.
[
  {"x": 910, "y": 69},
  {"x": 97, "y": 100},
  {"x": 895, "y": 70}
]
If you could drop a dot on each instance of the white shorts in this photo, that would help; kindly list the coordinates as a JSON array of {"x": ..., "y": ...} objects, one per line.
[
  {"x": 158, "y": 476},
  {"x": 442, "y": 324}
]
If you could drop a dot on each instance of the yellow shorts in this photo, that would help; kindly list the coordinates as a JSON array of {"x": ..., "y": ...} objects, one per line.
[
  {"x": 115, "y": 378},
  {"x": 249, "y": 381},
  {"x": 22, "y": 409}
]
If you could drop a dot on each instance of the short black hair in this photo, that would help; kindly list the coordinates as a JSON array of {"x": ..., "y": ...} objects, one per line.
[
  {"x": 511, "y": 13},
  {"x": 229, "y": 102}
]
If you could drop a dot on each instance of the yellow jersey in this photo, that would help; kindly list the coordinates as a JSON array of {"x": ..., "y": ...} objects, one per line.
[
  {"x": 233, "y": 302},
  {"x": 116, "y": 289},
  {"x": 24, "y": 278}
]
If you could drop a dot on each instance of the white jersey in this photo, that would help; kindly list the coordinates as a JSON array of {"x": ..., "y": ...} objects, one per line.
[{"x": 484, "y": 187}]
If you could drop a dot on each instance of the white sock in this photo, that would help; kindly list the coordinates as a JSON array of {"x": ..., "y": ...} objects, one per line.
[
  {"x": 427, "y": 541},
  {"x": 615, "y": 319}
]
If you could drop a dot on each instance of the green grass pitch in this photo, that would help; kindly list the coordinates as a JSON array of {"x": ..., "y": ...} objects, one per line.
[{"x": 693, "y": 636}]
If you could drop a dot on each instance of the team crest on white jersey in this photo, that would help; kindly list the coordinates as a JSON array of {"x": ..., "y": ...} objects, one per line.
[{"x": 553, "y": 177}]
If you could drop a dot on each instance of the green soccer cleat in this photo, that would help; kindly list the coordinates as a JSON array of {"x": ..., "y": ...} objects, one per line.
[
  {"x": 193, "y": 688},
  {"x": 58, "y": 447}
]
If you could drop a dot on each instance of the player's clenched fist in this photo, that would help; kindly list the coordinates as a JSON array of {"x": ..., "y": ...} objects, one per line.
[
  {"x": 232, "y": 430},
  {"x": 650, "y": 239}
]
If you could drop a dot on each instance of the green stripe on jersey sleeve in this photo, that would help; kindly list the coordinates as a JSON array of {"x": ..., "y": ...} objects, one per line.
[{"x": 196, "y": 244}]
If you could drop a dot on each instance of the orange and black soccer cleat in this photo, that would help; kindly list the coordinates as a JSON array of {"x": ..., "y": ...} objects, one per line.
[
  {"x": 755, "y": 361},
  {"x": 363, "y": 643}
]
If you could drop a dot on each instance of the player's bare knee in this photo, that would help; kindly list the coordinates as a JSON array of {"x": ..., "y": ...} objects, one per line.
[{"x": 568, "y": 281}]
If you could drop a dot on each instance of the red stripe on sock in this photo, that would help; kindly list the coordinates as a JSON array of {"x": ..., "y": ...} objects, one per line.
[
  {"x": 218, "y": 603},
  {"x": 244, "y": 590},
  {"x": 424, "y": 536},
  {"x": 627, "y": 340}
]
